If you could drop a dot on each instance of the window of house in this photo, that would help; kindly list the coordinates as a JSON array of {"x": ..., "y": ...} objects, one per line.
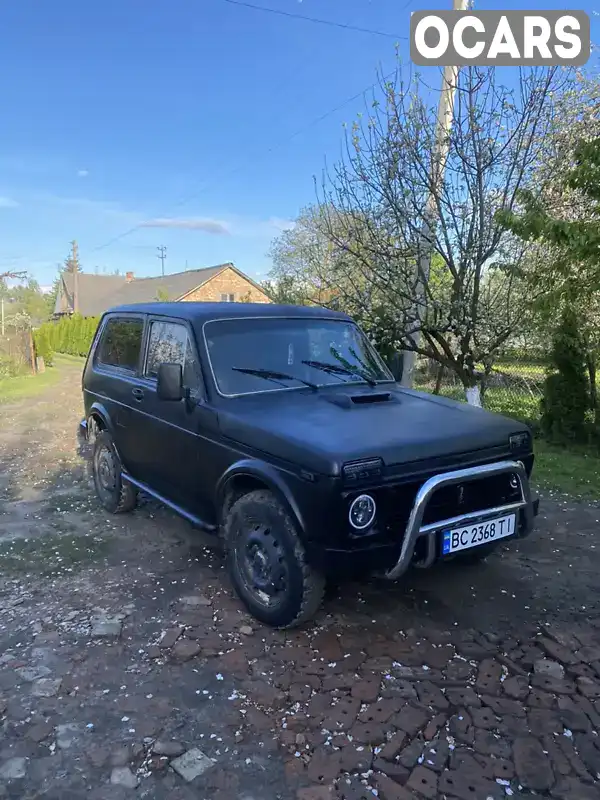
[
  {"x": 228, "y": 298},
  {"x": 121, "y": 343},
  {"x": 170, "y": 344}
]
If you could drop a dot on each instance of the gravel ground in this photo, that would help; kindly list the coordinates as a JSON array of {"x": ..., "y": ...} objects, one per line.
[{"x": 128, "y": 668}]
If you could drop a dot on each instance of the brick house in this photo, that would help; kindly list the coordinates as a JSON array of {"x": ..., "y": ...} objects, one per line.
[{"x": 97, "y": 293}]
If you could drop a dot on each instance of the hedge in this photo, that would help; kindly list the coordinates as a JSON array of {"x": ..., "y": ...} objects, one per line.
[{"x": 71, "y": 335}]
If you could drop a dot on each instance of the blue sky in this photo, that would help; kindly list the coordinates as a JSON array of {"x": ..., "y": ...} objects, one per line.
[{"x": 183, "y": 114}]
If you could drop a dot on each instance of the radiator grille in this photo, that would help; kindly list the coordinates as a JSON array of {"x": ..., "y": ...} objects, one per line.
[{"x": 395, "y": 503}]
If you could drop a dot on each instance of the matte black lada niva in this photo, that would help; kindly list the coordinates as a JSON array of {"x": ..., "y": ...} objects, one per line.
[{"x": 282, "y": 430}]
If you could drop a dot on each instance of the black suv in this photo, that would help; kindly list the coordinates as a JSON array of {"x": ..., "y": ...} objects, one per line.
[{"x": 281, "y": 428}]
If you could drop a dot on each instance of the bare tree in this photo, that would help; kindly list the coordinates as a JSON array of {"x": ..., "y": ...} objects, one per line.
[
  {"x": 10, "y": 275},
  {"x": 373, "y": 204}
]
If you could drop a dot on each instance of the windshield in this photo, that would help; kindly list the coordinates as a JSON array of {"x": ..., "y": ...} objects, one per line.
[{"x": 290, "y": 353}]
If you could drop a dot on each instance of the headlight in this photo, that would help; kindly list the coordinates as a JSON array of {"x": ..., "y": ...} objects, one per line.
[
  {"x": 520, "y": 441},
  {"x": 362, "y": 512},
  {"x": 515, "y": 481}
]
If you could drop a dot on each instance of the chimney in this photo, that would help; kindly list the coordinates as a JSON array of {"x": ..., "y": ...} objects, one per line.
[{"x": 129, "y": 277}]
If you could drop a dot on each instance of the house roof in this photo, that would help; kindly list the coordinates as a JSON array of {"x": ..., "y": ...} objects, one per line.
[
  {"x": 93, "y": 290},
  {"x": 97, "y": 293}
]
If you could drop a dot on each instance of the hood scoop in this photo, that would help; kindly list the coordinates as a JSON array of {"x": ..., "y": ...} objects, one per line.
[{"x": 350, "y": 400}]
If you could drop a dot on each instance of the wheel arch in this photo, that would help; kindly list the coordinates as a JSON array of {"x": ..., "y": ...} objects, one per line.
[
  {"x": 250, "y": 475},
  {"x": 100, "y": 415}
]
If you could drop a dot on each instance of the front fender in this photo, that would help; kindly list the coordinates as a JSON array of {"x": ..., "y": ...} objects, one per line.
[{"x": 266, "y": 474}]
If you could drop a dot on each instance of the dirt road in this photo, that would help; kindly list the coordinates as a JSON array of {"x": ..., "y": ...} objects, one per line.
[{"x": 128, "y": 669}]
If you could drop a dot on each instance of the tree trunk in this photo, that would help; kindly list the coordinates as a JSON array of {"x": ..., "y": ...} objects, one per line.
[
  {"x": 473, "y": 395},
  {"x": 472, "y": 390},
  {"x": 591, "y": 368},
  {"x": 439, "y": 378}
]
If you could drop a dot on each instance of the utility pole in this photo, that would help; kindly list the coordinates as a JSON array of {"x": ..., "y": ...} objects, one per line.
[
  {"x": 2, "y": 303},
  {"x": 444, "y": 120},
  {"x": 162, "y": 254},
  {"x": 74, "y": 258}
]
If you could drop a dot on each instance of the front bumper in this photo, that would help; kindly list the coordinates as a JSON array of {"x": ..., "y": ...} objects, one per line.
[
  {"x": 365, "y": 557},
  {"x": 415, "y": 529}
]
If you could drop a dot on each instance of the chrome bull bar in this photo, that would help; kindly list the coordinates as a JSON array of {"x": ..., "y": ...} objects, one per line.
[{"x": 415, "y": 528}]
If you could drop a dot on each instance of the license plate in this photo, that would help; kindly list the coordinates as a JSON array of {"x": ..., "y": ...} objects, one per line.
[{"x": 473, "y": 535}]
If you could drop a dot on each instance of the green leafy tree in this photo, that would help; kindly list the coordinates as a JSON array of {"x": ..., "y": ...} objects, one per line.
[
  {"x": 285, "y": 290},
  {"x": 52, "y": 295},
  {"x": 566, "y": 397},
  {"x": 562, "y": 221},
  {"x": 43, "y": 347},
  {"x": 29, "y": 299},
  {"x": 575, "y": 241}
]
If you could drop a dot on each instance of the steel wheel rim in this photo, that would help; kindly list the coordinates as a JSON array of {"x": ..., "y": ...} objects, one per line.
[
  {"x": 261, "y": 565},
  {"x": 106, "y": 471}
]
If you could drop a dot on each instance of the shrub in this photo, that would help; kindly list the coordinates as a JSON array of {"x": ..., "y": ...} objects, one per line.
[
  {"x": 11, "y": 367},
  {"x": 566, "y": 393},
  {"x": 70, "y": 335},
  {"x": 43, "y": 348}
]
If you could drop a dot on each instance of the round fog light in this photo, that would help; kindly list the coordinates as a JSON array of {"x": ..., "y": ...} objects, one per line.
[{"x": 362, "y": 512}]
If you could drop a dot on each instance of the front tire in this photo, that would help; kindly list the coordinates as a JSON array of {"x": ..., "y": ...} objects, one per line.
[
  {"x": 116, "y": 495},
  {"x": 267, "y": 562}
]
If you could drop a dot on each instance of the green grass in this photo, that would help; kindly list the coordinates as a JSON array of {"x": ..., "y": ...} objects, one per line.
[
  {"x": 574, "y": 471},
  {"x": 530, "y": 370},
  {"x": 23, "y": 386},
  {"x": 513, "y": 403}
]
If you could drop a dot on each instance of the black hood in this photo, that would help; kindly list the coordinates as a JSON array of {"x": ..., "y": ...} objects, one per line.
[{"x": 322, "y": 430}]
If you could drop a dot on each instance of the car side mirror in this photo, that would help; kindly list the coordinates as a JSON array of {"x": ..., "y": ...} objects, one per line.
[{"x": 169, "y": 385}]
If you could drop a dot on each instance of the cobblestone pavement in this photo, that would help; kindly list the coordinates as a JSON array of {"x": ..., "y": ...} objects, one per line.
[{"x": 128, "y": 669}]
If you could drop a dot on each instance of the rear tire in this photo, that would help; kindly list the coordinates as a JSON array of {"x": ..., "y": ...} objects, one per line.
[
  {"x": 267, "y": 562},
  {"x": 116, "y": 495}
]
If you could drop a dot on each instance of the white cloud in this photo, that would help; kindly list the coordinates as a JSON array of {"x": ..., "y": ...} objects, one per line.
[
  {"x": 280, "y": 225},
  {"x": 8, "y": 202},
  {"x": 206, "y": 225},
  {"x": 82, "y": 173}
]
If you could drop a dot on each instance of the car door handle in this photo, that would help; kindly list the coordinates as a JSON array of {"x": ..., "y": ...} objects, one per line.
[{"x": 138, "y": 393}]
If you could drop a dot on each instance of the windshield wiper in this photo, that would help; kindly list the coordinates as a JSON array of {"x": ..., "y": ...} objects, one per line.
[
  {"x": 273, "y": 375},
  {"x": 336, "y": 369}
]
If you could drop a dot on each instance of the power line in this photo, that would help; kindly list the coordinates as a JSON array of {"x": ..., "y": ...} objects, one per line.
[
  {"x": 317, "y": 20},
  {"x": 266, "y": 152}
]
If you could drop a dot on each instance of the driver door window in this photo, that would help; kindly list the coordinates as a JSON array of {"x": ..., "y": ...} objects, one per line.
[{"x": 169, "y": 342}]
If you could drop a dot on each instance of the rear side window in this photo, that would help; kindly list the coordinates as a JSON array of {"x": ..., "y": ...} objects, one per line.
[
  {"x": 121, "y": 343},
  {"x": 170, "y": 344}
]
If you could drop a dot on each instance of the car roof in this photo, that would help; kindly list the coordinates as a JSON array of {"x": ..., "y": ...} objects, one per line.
[{"x": 204, "y": 312}]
